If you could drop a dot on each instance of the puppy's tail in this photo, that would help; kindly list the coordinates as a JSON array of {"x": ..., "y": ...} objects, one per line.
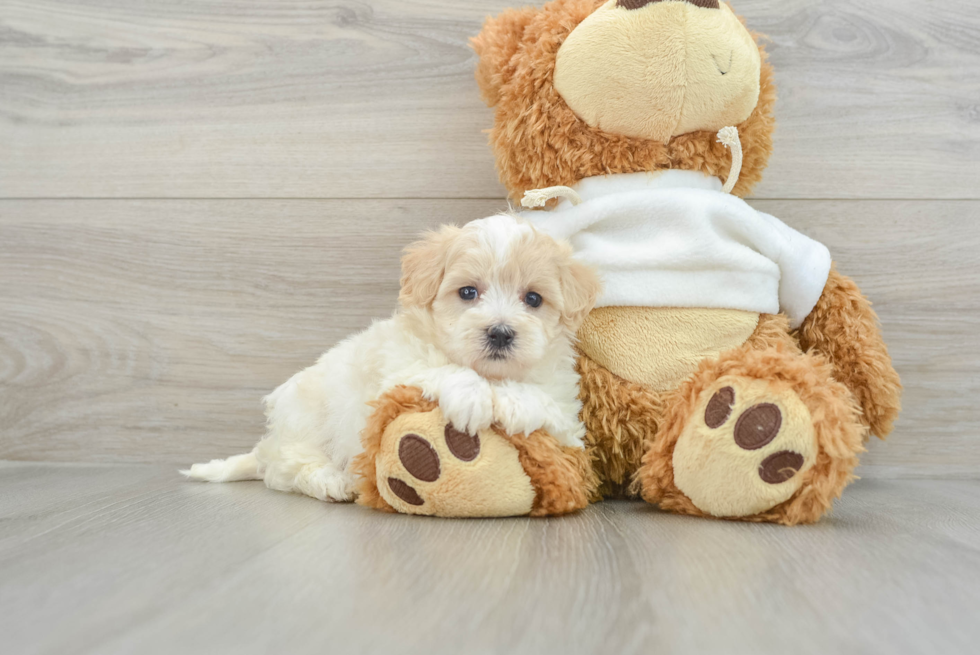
[{"x": 237, "y": 467}]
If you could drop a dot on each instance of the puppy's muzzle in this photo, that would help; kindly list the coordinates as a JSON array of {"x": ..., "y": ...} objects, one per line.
[{"x": 500, "y": 339}]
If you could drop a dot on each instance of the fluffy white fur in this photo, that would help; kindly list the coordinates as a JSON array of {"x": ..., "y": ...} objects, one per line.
[{"x": 438, "y": 342}]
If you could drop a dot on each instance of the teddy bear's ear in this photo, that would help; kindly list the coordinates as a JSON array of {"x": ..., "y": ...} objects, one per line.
[{"x": 496, "y": 45}]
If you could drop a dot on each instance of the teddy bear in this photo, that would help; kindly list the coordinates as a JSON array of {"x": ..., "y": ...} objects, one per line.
[{"x": 729, "y": 370}]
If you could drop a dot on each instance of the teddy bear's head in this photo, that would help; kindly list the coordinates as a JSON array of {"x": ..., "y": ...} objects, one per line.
[{"x": 593, "y": 87}]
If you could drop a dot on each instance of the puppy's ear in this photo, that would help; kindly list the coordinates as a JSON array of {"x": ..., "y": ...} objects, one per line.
[
  {"x": 496, "y": 45},
  {"x": 580, "y": 289},
  {"x": 424, "y": 265}
]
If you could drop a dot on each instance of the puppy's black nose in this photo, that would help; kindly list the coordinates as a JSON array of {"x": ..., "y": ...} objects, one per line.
[
  {"x": 500, "y": 337},
  {"x": 636, "y": 4}
]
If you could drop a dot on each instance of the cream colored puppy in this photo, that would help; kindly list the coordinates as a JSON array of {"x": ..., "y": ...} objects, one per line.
[{"x": 486, "y": 327}]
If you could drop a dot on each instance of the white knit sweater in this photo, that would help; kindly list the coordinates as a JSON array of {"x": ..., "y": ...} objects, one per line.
[{"x": 674, "y": 239}]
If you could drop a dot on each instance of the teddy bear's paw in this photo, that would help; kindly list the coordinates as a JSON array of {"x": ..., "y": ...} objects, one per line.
[
  {"x": 745, "y": 450},
  {"x": 427, "y": 466}
]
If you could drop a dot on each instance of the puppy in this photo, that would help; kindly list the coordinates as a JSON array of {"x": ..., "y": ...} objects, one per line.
[{"x": 486, "y": 328}]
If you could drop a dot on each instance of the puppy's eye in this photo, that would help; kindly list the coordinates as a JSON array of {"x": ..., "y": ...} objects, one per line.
[
  {"x": 533, "y": 299},
  {"x": 468, "y": 293}
]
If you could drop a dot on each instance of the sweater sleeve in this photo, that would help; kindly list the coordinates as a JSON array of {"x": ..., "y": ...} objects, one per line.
[{"x": 804, "y": 265}]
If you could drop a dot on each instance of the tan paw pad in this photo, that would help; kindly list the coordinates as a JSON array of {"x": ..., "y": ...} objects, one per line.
[
  {"x": 426, "y": 466},
  {"x": 745, "y": 449}
]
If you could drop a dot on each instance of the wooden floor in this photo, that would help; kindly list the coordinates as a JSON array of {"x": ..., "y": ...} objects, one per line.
[{"x": 133, "y": 559}]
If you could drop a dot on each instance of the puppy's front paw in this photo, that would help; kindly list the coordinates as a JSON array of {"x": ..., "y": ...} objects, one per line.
[
  {"x": 467, "y": 401},
  {"x": 518, "y": 410},
  {"x": 522, "y": 409}
]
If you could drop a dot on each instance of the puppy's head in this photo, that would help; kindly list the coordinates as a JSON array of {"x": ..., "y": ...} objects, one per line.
[{"x": 502, "y": 295}]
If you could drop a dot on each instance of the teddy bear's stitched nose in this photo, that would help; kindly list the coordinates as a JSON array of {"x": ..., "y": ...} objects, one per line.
[{"x": 636, "y": 4}]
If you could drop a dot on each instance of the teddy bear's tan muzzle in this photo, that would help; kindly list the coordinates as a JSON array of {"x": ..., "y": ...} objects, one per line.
[{"x": 657, "y": 69}]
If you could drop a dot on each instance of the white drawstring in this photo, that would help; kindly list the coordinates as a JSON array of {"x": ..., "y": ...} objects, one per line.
[
  {"x": 538, "y": 197},
  {"x": 729, "y": 137}
]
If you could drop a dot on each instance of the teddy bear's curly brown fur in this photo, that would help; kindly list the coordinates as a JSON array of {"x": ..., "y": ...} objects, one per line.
[{"x": 836, "y": 363}]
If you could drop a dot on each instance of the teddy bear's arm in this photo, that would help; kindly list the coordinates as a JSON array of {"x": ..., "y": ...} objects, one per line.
[{"x": 844, "y": 328}]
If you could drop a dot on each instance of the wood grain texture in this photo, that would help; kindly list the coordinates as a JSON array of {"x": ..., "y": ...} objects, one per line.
[
  {"x": 156, "y": 327},
  {"x": 142, "y": 331},
  {"x": 376, "y": 98},
  {"x": 124, "y": 559}
]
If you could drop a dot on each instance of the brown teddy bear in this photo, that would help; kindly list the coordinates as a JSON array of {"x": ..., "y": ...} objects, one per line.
[{"x": 729, "y": 370}]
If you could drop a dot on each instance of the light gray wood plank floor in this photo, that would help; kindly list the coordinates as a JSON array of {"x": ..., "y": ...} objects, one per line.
[{"x": 129, "y": 558}]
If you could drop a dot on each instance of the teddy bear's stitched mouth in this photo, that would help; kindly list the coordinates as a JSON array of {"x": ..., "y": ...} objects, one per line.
[{"x": 718, "y": 66}]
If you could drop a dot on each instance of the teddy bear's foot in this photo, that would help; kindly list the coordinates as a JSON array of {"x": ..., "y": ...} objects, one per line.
[
  {"x": 761, "y": 435},
  {"x": 426, "y": 466},
  {"x": 416, "y": 462},
  {"x": 747, "y": 451}
]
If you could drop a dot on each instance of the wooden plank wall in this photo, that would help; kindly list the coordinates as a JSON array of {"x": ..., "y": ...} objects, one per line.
[{"x": 196, "y": 198}]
